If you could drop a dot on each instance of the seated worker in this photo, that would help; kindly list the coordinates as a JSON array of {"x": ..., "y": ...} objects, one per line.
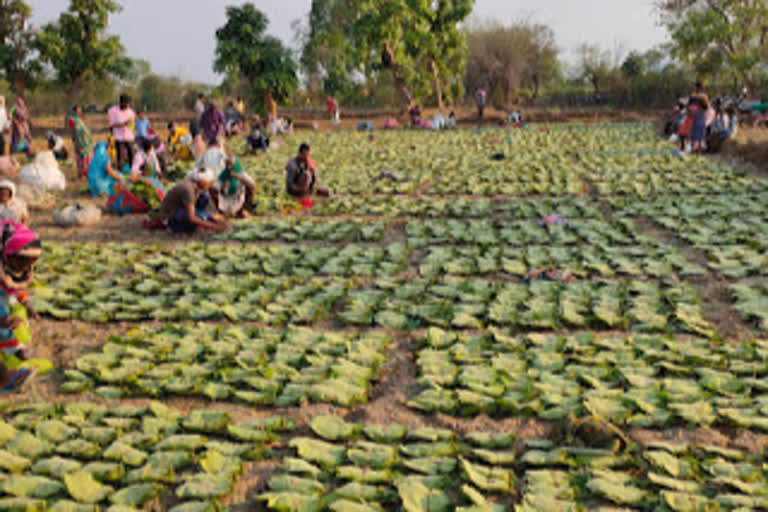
[
  {"x": 21, "y": 248},
  {"x": 102, "y": 177},
  {"x": 256, "y": 140},
  {"x": 56, "y": 144},
  {"x": 179, "y": 142},
  {"x": 214, "y": 157},
  {"x": 415, "y": 113},
  {"x": 12, "y": 207},
  {"x": 301, "y": 177},
  {"x": 232, "y": 119},
  {"x": 233, "y": 191},
  {"x": 185, "y": 207},
  {"x": 450, "y": 122},
  {"x": 145, "y": 161}
]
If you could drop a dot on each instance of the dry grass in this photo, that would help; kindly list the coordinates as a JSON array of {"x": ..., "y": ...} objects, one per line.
[{"x": 749, "y": 145}]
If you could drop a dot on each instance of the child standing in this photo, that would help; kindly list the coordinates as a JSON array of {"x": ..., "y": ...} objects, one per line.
[{"x": 143, "y": 125}]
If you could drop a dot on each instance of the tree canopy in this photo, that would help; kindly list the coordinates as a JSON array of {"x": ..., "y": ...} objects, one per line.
[
  {"x": 77, "y": 47},
  {"x": 719, "y": 36},
  {"x": 418, "y": 41},
  {"x": 243, "y": 48},
  {"x": 17, "y": 63},
  {"x": 506, "y": 59}
]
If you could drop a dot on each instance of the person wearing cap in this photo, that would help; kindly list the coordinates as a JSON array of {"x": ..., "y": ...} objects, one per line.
[
  {"x": 121, "y": 120},
  {"x": 185, "y": 207},
  {"x": 12, "y": 207}
]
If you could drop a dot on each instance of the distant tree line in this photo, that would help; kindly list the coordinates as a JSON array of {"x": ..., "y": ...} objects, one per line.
[{"x": 387, "y": 53}]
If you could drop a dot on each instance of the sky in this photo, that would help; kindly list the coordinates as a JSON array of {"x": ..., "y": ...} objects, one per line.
[{"x": 177, "y": 36}]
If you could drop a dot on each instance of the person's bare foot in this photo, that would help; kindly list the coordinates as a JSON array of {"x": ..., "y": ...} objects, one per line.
[{"x": 243, "y": 214}]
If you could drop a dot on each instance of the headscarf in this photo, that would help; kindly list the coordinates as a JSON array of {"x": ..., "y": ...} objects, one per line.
[
  {"x": 229, "y": 175},
  {"x": 10, "y": 186},
  {"x": 203, "y": 175},
  {"x": 17, "y": 240}
]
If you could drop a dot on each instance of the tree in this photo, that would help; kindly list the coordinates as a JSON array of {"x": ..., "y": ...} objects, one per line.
[
  {"x": 719, "y": 35},
  {"x": 594, "y": 64},
  {"x": 505, "y": 59},
  {"x": 17, "y": 65},
  {"x": 633, "y": 66},
  {"x": 77, "y": 47},
  {"x": 418, "y": 41},
  {"x": 326, "y": 55},
  {"x": 243, "y": 48}
]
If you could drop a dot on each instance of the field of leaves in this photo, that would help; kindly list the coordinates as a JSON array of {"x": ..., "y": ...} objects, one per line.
[{"x": 421, "y": 342}]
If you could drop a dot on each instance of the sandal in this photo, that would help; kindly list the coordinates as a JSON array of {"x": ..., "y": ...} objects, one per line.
[{"x": 21, "y": 377}]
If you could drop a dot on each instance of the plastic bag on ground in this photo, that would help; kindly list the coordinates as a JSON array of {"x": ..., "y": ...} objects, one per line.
[
  {"x": 77, "y": 215},
  {"x": 44, "y": 173}
]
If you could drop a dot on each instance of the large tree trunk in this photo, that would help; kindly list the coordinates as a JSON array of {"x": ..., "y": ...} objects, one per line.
[
  {"x": 76, "y": 89},
  {"x": 388, "y": 58},
  {"x": 19, "y": 87},
  {"x": 438, "y": 86}
]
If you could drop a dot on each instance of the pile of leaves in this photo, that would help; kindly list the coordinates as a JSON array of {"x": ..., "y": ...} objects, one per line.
[
  {"x": 85, "y": 456},
  {"x": 638, "y": 380},
  {"x": 256, "y": 366}
]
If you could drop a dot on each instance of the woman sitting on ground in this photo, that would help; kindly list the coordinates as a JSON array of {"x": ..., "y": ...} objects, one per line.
[
  {"x": 415, "y": 113},
  {"x": 12, "y": 207},
  {"x": 179, "y": 142},
  {"x": 256, "y": 140},
  {"x": 234, "y": 190},
  {"x": 21, "y": 248},
  {"x": 232, "y": 119},
  {"x": 214, "y": 157},
  {"x": 185, "y": 207},
  {"x": 146, "y": 162},
  {"x": 102, "y": 176}
]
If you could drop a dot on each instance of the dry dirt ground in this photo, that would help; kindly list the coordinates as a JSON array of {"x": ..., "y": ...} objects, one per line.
[{"x": 64, "y": 342}]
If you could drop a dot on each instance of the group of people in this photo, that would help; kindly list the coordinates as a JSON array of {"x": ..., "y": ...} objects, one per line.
[
  {"x": 700, "y": 126},
  {"x": 20, "y": 248},
  {"x": 438, "y": 122}
]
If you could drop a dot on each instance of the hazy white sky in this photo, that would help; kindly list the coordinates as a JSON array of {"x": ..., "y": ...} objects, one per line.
[{"x": 177, "y": 36}]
